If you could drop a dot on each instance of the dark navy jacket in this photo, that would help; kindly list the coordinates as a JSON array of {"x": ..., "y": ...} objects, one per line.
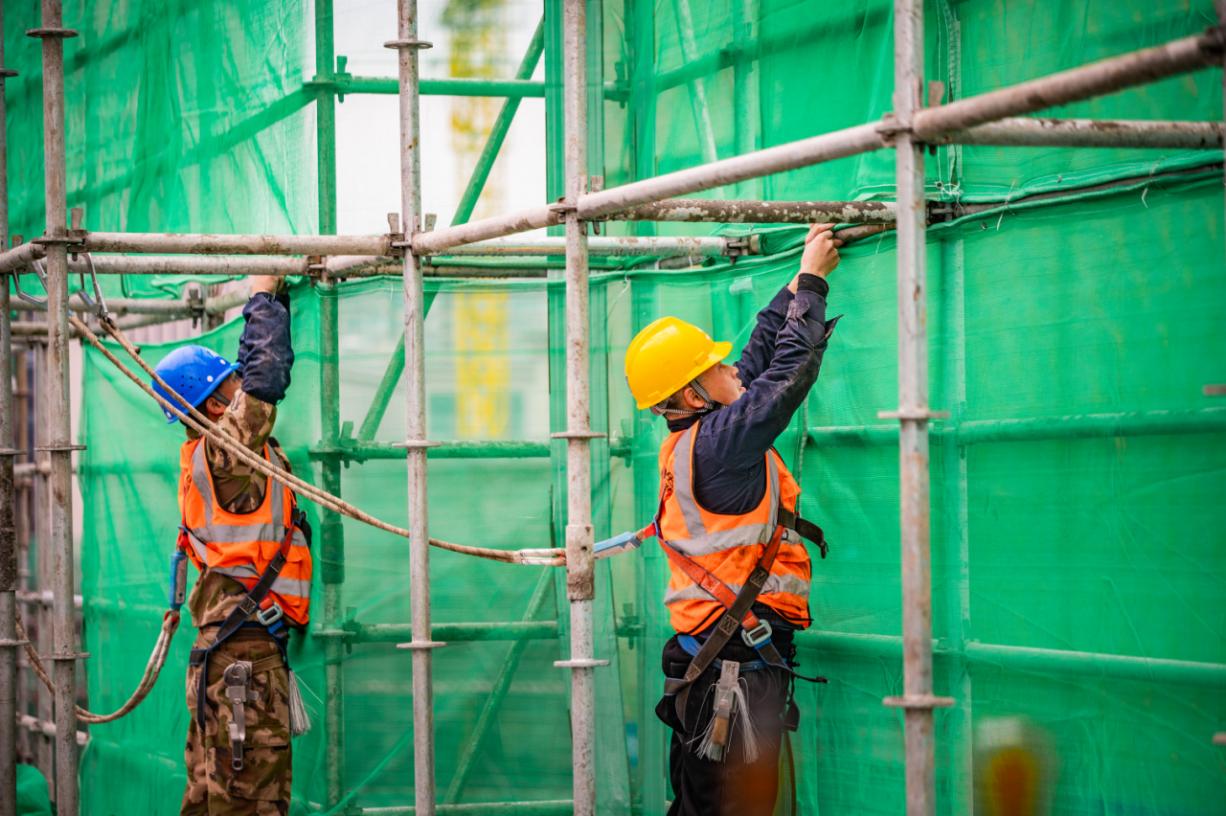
[
  {"x": 265, "y": 355},
  {"x": 778, "y": 367}
]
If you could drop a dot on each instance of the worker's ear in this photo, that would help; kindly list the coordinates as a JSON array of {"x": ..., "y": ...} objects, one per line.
[{"x": 691, "y": 399}]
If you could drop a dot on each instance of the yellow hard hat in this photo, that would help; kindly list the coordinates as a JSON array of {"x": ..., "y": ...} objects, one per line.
[{"x": 664, "y": 357}]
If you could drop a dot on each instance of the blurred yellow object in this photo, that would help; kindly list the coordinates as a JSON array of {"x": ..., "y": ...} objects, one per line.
[
  {"x": 1013, "y": 768},
  {"x": 666, "y": 356}
]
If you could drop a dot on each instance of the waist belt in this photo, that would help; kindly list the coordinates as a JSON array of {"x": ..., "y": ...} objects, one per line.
[{"x": 693, "y": 645}]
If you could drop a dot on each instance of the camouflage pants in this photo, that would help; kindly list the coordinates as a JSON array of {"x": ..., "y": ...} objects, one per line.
[{"x": 262, "y": 787}]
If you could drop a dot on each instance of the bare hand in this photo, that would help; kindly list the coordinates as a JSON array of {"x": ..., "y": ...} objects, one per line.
[
  {"x": 821, "y": 254},
  {"x": 265, "y": 283}
]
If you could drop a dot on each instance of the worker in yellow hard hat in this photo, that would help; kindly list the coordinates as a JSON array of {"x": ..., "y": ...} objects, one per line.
[{"x": 729, "y": 523}]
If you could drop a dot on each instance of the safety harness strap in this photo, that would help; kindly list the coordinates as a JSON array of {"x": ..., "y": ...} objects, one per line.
[
  {"x": 728, "y": 625},
  {"x": 789, "y": 519}
]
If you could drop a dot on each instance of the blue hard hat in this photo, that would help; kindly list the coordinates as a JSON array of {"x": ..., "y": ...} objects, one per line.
[{"x": 194, "y": 372}]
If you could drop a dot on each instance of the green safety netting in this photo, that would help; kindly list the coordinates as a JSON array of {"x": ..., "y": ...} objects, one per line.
[{"x": 1077, "y": 521}]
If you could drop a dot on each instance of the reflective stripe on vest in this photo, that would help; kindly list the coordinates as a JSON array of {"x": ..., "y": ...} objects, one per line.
[
  {"x": 243, "y": 549},
  {"x": 728, "y": 546}
]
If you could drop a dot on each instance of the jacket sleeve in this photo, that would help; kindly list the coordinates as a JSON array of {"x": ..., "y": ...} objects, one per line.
[
  {"x": 265, "y": 355},
  {"x": 743, "y": 431},
  {"x": 758, "y": 352}
]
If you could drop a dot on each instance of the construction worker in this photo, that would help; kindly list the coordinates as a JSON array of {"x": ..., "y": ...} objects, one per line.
[
  {"x": 245, "y": 534},
  {"x": 728, "y": 523}
]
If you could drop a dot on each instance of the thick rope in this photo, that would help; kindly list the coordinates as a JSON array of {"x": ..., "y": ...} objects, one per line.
[
  {"x": 202, "y": 424},
  {"x": 170, "y": 624}
]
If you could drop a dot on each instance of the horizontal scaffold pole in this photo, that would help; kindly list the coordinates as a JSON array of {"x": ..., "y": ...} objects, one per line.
[
  {"x": 610, "y": 246},
  {"x": 931, "y": 124},
  {"x": 218, "y": 304},
  {"x": 221, "y": 244},
  {"x": 1025, "y": 131},
  {"x": 1046, "y": 428},
  {"x": 20, "y": 257},
  {"x": 761, "y": 212},
  {"x": 1002, "y": 657}
]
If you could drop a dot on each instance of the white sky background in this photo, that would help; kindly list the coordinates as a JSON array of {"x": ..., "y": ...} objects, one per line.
[{"x": 368, "y": 168}]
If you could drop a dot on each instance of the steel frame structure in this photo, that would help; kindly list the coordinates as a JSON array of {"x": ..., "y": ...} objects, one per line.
[{"x": 989, "y": 118}]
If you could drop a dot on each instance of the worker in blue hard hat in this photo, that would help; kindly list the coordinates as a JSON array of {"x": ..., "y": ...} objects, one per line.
[{"x": 245, "y": 534}]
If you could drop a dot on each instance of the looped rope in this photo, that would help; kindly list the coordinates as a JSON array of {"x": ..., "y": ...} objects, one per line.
[
  {"x": 199, "y": 422},
  {"x": 170, "y": 624}
]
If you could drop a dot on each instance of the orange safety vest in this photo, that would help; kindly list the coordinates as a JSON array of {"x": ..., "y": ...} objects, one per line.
[
  {"x": 241, "y": 545},
  {"x": 727, "y": 546}
]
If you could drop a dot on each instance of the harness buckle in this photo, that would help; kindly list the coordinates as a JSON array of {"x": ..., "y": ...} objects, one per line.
[
  {"x": 758, "y": 635},
  {"x": 267, "y": 617}
]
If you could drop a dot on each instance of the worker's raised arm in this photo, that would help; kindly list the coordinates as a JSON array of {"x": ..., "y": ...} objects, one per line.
[
  {"x": 760, "y": 349},
  {"x": 747, "y": 428},
  {"x": 265, "y": 353},
  {"x": 265, "y": 357}
]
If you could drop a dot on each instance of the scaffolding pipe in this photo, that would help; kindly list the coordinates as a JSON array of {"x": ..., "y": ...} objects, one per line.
[
  {"x": 216, "y": 305},
  {"x": 8, "y": 501},
  {"x": 43, "y": 698},
  {"x": 1020, "y": 131},
  {"x": 57, "y": 395},
  {"x": 1139, "y": 67},
  {"x": 580, "y": 584},
  {"x": 29, "y": 329},
  {"x": 552, "y": 807},
  {"x": 1007, "y": 658},
  {"x": 233, "y": 266},
  {"x": 8, "y": 531},
  {"x": 20, "y": 257},
  {"x": 609, "y": 246},
  {"x": 220, "y": 244},
  {"x": 762, "y": 212},
  {"x": 514, "y": 631},
  {"x": 407, "y": 47},
  {"x": 332, "y": 538},
  {"x": 917, "y": 700}
]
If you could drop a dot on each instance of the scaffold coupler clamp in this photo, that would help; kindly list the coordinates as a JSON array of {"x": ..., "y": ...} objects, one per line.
[{"x": 237, "y": 680}]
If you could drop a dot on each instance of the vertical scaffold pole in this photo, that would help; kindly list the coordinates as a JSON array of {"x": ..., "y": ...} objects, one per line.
[
  {"x": 580, "y": 583},
  {"x": 59, "y": 425},
  {"x": 913, "y": 414},
  {"x": 407, "y": 46},
  {"x": 332, "y": 530},
  {"x": 8, "y": 502}
]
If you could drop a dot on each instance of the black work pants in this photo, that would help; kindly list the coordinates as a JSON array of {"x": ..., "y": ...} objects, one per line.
[{"x": 732, "y": 787}]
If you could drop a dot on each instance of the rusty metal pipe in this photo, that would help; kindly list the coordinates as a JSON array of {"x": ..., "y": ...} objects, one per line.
[
  {"x": 1020, "y": 131},
  {"x": 20, "y": 257},
  {"x": 58, "y": 395},
  {"x": 407, "y": 47},
  {"x": 205, "y": 244},
  {"x": 761, "y": 212}
]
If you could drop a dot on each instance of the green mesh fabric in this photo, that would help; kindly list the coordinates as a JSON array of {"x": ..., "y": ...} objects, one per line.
[{"x": 1078, "y": 552}]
